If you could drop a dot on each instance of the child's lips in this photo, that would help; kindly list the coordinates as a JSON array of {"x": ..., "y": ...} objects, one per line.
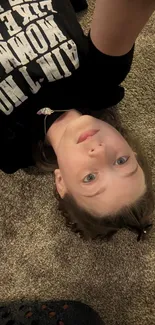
[{"x": 85, "y": 135}]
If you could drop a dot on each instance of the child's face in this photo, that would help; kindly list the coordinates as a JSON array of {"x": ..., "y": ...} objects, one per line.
[{"x": 100, "y": 171}]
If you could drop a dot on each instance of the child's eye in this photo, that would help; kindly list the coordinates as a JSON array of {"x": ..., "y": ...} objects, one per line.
[
  {"x": 122, "y": 160},
  {"x": 89, "y": 178}
]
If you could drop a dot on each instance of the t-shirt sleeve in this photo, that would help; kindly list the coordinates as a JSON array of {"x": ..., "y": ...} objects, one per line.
[{"x": 79, "y": 5}]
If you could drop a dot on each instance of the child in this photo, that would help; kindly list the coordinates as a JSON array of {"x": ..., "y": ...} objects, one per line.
[{"x": 99, "y": 173}]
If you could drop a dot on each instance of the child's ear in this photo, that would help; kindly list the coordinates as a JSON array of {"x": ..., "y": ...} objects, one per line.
[{"x": 59, "y": 182}]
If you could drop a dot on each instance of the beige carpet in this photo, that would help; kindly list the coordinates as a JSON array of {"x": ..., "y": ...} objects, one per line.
[{"x": 41, "y": 259}]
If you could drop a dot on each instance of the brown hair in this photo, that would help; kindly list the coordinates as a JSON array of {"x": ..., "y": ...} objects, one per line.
[{"x": 135, "y": 217}]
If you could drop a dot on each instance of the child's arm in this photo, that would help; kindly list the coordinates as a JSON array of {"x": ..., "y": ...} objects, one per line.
[{"x": 117, "y": 23}]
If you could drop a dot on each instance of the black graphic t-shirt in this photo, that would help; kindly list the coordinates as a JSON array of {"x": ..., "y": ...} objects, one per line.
[{"x": 41, "y": 47}]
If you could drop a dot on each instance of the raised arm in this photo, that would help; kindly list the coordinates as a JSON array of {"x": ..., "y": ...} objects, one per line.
[{"x": 117, "y": 23}]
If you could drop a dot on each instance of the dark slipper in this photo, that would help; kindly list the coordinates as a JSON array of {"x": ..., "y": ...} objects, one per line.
[{"x": 48, "y": 313}]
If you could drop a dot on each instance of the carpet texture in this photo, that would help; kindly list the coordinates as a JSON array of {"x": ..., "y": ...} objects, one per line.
[{"x": 41, "y": 259}]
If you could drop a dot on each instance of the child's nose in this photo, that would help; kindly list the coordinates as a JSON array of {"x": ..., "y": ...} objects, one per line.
[{"x": 97, "y": 150}]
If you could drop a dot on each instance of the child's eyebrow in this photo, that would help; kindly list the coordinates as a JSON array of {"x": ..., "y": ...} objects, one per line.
[
  {"x": 101, "y": 190},
  {"x": 132, "y": 173}
]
